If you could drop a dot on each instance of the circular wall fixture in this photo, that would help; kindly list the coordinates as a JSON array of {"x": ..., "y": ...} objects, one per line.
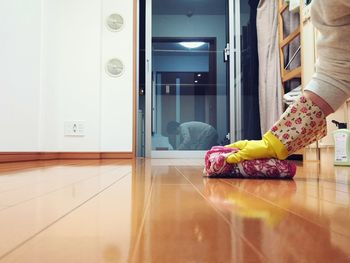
[
  {"x": 114, "y": 67},
  {"x": 115, "y": 22}
]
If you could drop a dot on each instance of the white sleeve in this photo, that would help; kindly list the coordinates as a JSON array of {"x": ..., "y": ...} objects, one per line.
[{"x": 332, "y": 78}]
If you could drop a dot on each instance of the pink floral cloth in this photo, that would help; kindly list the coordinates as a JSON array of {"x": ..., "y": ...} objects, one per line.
[{"x": 216, "y": 166}]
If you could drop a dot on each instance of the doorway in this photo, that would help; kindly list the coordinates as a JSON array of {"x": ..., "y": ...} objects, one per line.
[
  {"x": 185, "y": 87},
  {"x": 192, "y": 76}
]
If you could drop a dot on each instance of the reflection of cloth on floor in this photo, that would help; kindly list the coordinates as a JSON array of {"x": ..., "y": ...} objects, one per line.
[
  {"x": 239, "y": 201},
  {"x": 216, "y": 166}
]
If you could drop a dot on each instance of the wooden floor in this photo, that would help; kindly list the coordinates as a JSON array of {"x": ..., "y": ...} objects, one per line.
[{"x": 165, "y": 211}]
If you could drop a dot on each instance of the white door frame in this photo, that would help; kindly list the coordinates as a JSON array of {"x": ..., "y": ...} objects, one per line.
[
  {"x": 235, "y": 70},
  {"x": 148, "y": 79},
  {"x": 234, "y": 84}
]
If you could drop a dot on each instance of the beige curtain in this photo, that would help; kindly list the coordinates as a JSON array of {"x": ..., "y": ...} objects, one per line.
[{"x": 270, "y": 85}]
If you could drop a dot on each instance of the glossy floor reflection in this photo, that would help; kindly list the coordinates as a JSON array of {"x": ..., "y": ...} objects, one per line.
[{"x": 165, "y": 211}]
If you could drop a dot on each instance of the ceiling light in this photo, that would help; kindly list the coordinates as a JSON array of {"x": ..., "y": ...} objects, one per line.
[
  {"x": 199, "y": 75},
  {"x": 196, "y": 81},
  {"x": 192, "y": 44}
]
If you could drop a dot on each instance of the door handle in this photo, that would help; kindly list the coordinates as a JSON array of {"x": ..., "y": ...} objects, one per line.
[
  {"x": 226, "y": 52},
  {"x": 147, "y": 65}
]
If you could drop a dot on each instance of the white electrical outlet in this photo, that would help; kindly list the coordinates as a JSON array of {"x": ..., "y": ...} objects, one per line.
[{"x": 74, "y": 128}]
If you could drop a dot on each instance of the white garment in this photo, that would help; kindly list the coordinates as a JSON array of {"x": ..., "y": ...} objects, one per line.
[
  {"x": 290, "y": 97},
  {"x": 332, "y": 78},
  {"x": 294, "y": 5},
  {"x": 270, "y": 85},
  {"x": 196, "y": 135}
]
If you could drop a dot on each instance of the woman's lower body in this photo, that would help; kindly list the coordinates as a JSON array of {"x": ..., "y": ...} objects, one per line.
[{"x": 304, "y": 122}]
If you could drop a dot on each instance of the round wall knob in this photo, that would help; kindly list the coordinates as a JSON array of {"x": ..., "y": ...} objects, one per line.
[
  {"x": 115, "y": 67},
  {"x": 115, "y": 22}
]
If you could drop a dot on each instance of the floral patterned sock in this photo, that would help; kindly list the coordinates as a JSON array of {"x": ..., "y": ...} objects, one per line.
[{"x": 300, "y": 125}]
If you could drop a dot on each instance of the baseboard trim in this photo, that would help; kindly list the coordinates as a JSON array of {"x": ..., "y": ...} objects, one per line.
[
  {"x": 19, "y": 157},
  {"x": 6, "y": 157},
  {"x": 48, "y": 156},
  {"x": 117, "y": 155},
  {"x": 82, "y": 155}
]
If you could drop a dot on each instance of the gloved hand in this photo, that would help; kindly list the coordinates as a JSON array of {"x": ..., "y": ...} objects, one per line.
[
  {"x": 300, "y": 125},
  {"x": 268, "y": 147}
]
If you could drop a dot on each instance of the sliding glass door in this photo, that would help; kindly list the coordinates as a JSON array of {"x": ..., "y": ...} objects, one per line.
[{"x": 193, "y": 86}]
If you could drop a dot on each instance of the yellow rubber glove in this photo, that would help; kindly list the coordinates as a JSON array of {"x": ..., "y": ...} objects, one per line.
[
  {"x": 269, "y": 147},
  {"x": 300, "y": 125}
]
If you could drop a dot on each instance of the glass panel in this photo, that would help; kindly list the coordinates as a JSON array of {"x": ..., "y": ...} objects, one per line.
[
  {"x": 190, "y": 90},
  {"x": 250, "y": 115}
]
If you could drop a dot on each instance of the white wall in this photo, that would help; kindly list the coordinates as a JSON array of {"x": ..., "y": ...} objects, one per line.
[
  {"x": 116, "y": 93},
  {"x": 61, "y": 48},
  {"x": 19, "y": 75},
  {"x": 71, "y": 84}
]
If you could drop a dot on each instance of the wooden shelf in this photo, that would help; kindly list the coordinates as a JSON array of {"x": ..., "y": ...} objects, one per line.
[
  {"x": 290, "y": 38},
  {"x": 291, "y": 74},
  {"x": 283, "y": 8},
  {"x": 286, "y": 75}
]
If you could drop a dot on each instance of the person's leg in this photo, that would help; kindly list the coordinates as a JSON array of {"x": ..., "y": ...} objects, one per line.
[
  {"x": 331, "y": 82},
  {"x": 300, "y": 125},
  {"x": 321, "y": 103}
]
